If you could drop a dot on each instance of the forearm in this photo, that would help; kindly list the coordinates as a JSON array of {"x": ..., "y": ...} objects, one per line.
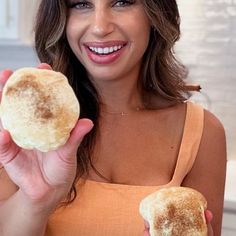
[{"x": 18, "y": 218}]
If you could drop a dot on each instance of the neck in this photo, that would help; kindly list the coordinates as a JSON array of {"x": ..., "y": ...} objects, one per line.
[
  {"x": 119, "y": 96},
  {"x": 121, "y": 100}
]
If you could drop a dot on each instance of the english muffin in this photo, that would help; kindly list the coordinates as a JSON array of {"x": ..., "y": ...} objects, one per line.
[
  {"x": 175, "y": 211},
  {"x": 39, "y": 108}
]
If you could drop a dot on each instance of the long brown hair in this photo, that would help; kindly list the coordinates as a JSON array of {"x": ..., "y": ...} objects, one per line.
[{"x": 161, "y": 73}]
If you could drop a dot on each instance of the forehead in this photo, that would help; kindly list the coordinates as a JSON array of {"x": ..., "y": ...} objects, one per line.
[{"x": 96, "y": 1}]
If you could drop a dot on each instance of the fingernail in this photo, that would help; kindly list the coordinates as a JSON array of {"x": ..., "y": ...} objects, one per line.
[{"x": 44, "y": 66}]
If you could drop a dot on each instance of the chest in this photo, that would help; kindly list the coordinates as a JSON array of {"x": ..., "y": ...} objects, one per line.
[{"x": 141, "y": 152}]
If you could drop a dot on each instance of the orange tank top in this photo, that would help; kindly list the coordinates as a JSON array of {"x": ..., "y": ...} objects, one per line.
[{"x": 105, "y": 209}]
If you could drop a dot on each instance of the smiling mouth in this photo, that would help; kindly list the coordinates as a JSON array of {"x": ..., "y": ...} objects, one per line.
[{"x": 105, "y": 50}]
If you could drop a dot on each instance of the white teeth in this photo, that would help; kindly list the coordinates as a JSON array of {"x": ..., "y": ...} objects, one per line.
[
  {"x": 100, "y": 51},
  {"x": 106, "y": 50}
]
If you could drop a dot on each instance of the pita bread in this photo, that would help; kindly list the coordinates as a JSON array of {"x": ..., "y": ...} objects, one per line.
[
  {"x": 175, "y": 211},
  {"x": 39, "y": 108}
]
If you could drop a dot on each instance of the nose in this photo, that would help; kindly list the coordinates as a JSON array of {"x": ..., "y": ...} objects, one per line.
[{"x": 102, "y": 24}]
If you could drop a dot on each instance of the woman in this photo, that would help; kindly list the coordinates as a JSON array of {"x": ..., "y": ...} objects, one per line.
[{"x": 118, "y": 57}]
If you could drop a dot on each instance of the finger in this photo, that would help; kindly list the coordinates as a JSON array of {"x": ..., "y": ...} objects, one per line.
[
  {"x": 146, "y": 230},
  {"x": 8, "y": 148},
  {"x": 146, "y": 224},
  {"x": 146, "y": 233},
  {"x": 44, "y": 66},
  {"x": 209, "y": 230},
  {"x": 82, "y": 127},
  {"x": 208, "y": 216},
  {"x": 4, "y": 75}
]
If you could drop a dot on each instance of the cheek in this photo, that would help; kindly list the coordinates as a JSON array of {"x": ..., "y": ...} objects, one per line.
[
  {"x": 141, "y": 38},
  {"x": 69, "y": 34},
  {"x": 73, "y": 33},
  {"x": 138, "y": 28},
  {"x": 144, "y": 29}
]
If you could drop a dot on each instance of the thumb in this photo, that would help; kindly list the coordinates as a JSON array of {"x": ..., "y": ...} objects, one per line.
[
  {"x": 208, "y": 216},
  {"x": 82, "y": 127},
  {"x": 146, "y": 230},
  {"x": 8, "y": 149},
  {"x": 146, "y": 224},
  {"x": 4, "y": 76}
]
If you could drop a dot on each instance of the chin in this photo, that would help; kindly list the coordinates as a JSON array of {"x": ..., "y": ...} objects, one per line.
[{"x": 103, "y": 76}]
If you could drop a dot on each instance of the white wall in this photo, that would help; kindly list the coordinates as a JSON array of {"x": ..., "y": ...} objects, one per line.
[
  {"x": 208, "y": 48},
  {"x": 8, "y": 19},
  {"x": 16, "y": 21}
]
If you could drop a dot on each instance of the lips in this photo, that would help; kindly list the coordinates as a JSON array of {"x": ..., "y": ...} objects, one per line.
[{"x": 104, "y": 52}]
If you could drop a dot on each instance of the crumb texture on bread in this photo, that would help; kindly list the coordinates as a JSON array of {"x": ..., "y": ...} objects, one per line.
[
  {"x": 175, "y": 211},
  {"x": 39, "y": 108}
]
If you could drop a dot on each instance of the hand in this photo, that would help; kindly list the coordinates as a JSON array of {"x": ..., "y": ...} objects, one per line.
[
  {"x": 208, "y": 216},
  {"x": 44, "y": 179},
  {"x": 146, "y": 229}
]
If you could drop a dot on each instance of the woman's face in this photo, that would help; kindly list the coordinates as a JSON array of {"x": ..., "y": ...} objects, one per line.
[{"x": 109, "y": 37}]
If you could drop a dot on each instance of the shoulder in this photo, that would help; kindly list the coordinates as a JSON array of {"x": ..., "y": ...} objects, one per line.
[
  {"x": 212, "y": 124},
  {"x": 212, "y": 127},
  {"x": 213, "y": 137},
  {"x": 209, "y": 169},
  {"x": 212, "y": 148}
]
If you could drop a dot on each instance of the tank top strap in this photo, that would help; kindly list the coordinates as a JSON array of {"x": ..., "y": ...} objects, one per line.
[{"x": 193, "y": 129}]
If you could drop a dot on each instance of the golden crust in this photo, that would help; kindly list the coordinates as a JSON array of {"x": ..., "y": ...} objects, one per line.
[
  {"x": 175, "y": 211},
  {"x": 39, "y": 108}
]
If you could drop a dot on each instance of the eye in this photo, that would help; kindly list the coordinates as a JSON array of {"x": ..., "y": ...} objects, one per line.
[
  {"x": 123, "y": 3},
  {"x": 79, "y": 4}
]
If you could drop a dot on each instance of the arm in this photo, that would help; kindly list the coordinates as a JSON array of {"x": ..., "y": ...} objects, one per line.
[
  {"x": 14, "y": 211},
  {"x": 18, "y": 218},
  {"x": 209, "y": 170},
  {"x": 38, "y": 181},
  {"x": 26, "y": 212}
]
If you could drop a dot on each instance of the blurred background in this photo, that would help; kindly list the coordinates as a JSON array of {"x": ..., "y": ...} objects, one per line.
[{"x": 207, "y": 47}]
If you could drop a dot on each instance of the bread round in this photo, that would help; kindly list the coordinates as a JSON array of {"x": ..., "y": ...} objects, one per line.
[
  {"x": 175, "y": 211},
  {"x": 39, "y": 108}
]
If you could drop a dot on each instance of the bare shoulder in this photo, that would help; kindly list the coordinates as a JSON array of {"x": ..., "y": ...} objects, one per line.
[
  {"x": 8, "y": 188},
  {"x": 208, "y": 172},
  {"x": 213, "y": 126},
  {"x": 212, "y": 148}
]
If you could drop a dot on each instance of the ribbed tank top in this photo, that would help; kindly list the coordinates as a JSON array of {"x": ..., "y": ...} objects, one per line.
[{"x": 105, "y": 209}]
